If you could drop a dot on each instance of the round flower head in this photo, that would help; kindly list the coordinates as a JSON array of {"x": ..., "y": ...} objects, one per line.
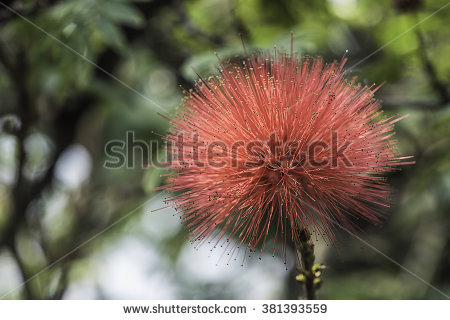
[{"x": 278, "y": 143}]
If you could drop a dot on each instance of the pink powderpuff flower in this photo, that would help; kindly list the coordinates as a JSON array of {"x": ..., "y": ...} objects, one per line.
[{"x": 279, "y": 143}]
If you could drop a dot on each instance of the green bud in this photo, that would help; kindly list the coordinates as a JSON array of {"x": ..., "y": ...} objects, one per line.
[
  {"x": 301, "y": 277},
  {"x": 318, "y": 267},
  {"x": 317, "y": 283}
]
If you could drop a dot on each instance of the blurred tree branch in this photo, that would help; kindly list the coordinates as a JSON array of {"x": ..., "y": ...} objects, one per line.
[
  {"x": 435, "y": 83},
  {"x": 62, "y": 130},
  {"x": 17, "y": 68}
]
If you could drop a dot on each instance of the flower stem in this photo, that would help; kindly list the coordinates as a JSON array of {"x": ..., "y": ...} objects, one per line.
[{"x": 310, "y": 273}]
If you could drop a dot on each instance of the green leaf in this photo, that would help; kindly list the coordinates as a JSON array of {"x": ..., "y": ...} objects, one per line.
[
  {"x": 124, "y": 14},
  {"x": 111, "y": 34}
]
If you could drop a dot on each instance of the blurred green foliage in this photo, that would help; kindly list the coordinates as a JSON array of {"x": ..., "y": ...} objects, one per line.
[{"x": 76, "y": 74}]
